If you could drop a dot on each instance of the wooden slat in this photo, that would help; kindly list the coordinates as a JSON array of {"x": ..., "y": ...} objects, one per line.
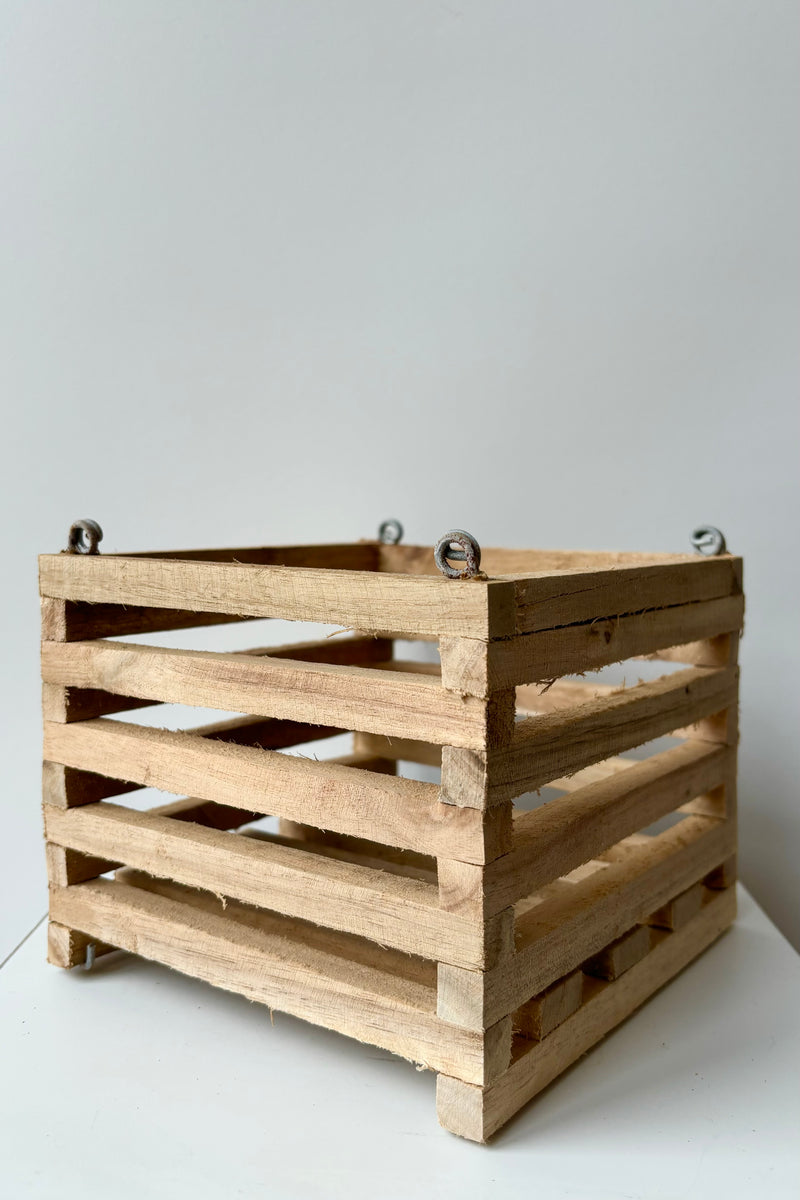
[
  {"x": 337, "y": 992},
  {"x": 477, "y": 1114},
  {"x": 399, "y": 749},
  {"x": 468, "y": 666},
  {"x": 418, "y": 560},
  {"x": 82, "y": 704},
  {"x": 559, "y": 743},
  {"x": 555, "y": 937},
  {"x": 553, "y": 839},
  {"x": 414, "y": 706},
  {"x": 535, "y": 699},
  {"x": 578, "y": 596},
  {"x": 365, "y": 600},
  {"x": 76, "y": 621},
  {"x": 621, "y": 954},
  {"x": 545, "y": 1012},
  {"x": 390, "y": 909},
  {"x": 383, "y": 808}
]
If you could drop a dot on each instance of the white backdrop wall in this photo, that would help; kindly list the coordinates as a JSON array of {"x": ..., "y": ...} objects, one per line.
[{"x": 274, "y": 271}]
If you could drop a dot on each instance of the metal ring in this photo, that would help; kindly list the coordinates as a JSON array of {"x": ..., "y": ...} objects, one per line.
[
  {"x": 458, "y": 546},
  {"x": 709, "y": 540},
  {"x": 390, "y": 532},
  {"x": 84, "y": 537}
]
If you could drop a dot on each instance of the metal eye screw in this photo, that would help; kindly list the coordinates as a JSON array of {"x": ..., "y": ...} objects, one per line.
[
  {"x": 458, "y": 546},
  {"x": 390, "y": 532},
  {"x": 84, "y": 537},
  {"x": 709, "y": 540}
]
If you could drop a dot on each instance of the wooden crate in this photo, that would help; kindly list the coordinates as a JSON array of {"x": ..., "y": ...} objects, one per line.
[{"x": 491, "y": 943}]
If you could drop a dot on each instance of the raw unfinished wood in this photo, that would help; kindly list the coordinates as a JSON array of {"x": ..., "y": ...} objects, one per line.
[
  {"x": 545, "y": 1012},
  {"x": 350, "y": 997},
  {"x": 679, "y": 910},
  {"x": 392, "y": 910},
  {"x": 384, "y": 808},
  {"x": 436, "y": 922},
  {"x": 369, "y": 601},
  {"x": 475, "y": 1113},
  {"x": 318, "y": 693},
  {"x": 577, "y": 596},
  {"x": 552, "y": 840},
  {"x": 478, "y": 669},
  {"x": 563, "y": 742},
  {"x": 621, "y": 955},
  {"x": 555, "y": 937}
]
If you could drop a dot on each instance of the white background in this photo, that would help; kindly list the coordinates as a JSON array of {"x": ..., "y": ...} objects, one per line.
[{"x": 275, "y": 271}]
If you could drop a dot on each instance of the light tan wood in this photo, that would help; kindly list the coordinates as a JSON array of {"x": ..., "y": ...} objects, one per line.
[
  {"x": 551, "y": 599},
  {"x": 70, "y": 621},
  {"x": 67, "y": 948},
  {"x": 319, "y": 693},
  {"x": 476, "y": 1113},
  {"x": 621, "y": 955},
  {"x": 392, "y": 910},
  {"x": 679, "y": 910},
  {"x": 722, "y": 876},
  {"x": 399, "y": 749},
  {"x": 545, "y": 1012},
  {"x": 370, "y": 601},
  {"x": 554, "y": 839},
  {"x": 475, "y": 668},
  {"x": 555, "y": 744},
  {"x": 279, "y": 971},
  {"x": 555, "y": 937},
  {"x": 418, "y": 560},
  {"x": 384, "y": 808}
]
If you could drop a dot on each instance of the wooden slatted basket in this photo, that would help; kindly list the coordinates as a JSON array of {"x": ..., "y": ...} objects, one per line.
[{"x": 492, "y": 942}]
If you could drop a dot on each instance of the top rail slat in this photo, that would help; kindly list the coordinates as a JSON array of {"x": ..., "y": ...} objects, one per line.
[{"x": 365, "y": 600}]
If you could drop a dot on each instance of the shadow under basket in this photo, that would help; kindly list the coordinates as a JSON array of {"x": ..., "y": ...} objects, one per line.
[{"x": 493, "y": 942}]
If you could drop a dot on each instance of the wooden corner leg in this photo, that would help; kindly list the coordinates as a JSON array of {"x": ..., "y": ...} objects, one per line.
[
  {"x": 68, "y": 947},
  {"x": 461, "y": 1108}
]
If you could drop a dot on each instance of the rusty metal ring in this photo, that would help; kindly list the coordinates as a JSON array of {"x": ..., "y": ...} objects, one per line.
[
  {"x": 84, "y": 537},
  {"x": 709, "y": 540},
  {"x": 458, "y": 546},
  {"x": 390, "y": 532}
]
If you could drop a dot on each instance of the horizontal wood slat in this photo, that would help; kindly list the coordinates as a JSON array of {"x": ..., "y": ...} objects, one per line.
[
  {"x": 382, "y": 808},
  {"x": 330, "y": 989},
  {"x": 550, "y": 841},
  {"x": 477, "y": 1114},
  {"x": 555, "y": 937},
  {"x": 469, "y": 667},
  {"x": 573, "y": 597},
  {"x": 365, "y": 600},
  {"x": 82, "y": 704},
  {"x": 392, "y": 703},
  {"x": 390, "y": 909},
  {"x": 560, "y": 743}
]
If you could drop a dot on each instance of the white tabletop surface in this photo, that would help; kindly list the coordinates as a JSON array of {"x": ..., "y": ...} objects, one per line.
[{"x": 133, "y": 1081}]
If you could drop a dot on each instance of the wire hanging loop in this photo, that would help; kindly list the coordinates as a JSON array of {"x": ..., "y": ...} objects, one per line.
[
  {"x": 390, "y": 532},
  {"x": 709, "y": 540},
  {"x": 84, "y": 537},
  {"x": 458, "y": 546}
]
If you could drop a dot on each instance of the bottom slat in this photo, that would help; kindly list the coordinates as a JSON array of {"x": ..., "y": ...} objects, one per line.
[
  {"x": 477, "y": 1113},
  {"x": 335, "y": 990}
]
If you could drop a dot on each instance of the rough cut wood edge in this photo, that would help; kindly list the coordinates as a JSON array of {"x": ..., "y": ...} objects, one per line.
[
  {"x": 369, "y": 601},
  {"x": 575, "y": 597},
  {"x": 556, "y": 936},
  {"x": 390, "y": 909},
  {"x": 328, "y": 795},
  {"x": 347, "y": 996},
  {"x": 478, "y": 669},
  {"x": 569, "y": 830},
  {"x": 418, "y": 560},
  {"x": 560, "y": 743},
  {"x": 413, "y": 705},
  {"x": 82, "y": 704},
  {"x": 67, "y": 948},
  {"x": 545, "y": 1012},
  {"x": 622, "y": 954},
  {"x": 76, "y": 621},
  {"x": 475, "y": 1113}
]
